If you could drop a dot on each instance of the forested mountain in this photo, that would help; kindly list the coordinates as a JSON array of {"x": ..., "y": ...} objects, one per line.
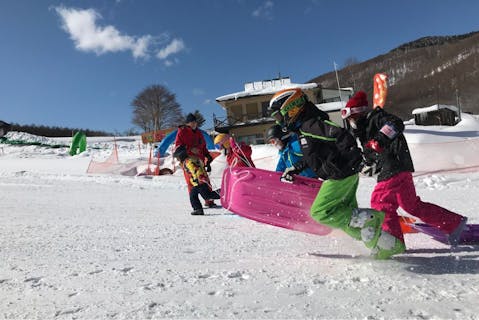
[{"x": 430, "y": 70}]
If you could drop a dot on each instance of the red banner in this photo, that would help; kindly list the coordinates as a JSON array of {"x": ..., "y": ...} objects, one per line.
[{"x": 155, "y": 136}]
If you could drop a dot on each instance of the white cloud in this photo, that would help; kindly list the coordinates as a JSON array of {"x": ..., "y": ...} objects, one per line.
[
  {"x": 264, "y": 11},
  {"x": 198, "y": 92},
  {"x": 171, "y": 62},
  {"x": 141, "y": 47},
  {"x": 82, "y": 26},
  {"x": 314, "y": 4},
  {"x": 175, "y": 46},
  {"x": 88, "y": 36}
]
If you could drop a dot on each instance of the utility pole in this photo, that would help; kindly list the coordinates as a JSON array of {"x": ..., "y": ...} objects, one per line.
[
  {"x": 337, "y": 79},
  {"x": 458, "y": 105}
]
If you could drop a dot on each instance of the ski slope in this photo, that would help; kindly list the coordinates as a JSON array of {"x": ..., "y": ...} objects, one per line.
[{"x": 81, "y": 246}]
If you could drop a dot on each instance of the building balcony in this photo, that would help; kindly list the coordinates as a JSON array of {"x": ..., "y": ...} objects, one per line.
[{"x": 223, "y": 124}]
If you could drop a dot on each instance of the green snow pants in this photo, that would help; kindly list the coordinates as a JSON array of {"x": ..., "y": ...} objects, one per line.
[{"x": 334, "y": 204}]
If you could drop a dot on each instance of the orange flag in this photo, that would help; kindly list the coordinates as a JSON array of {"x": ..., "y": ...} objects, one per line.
[{"x": 380, "y": 90}]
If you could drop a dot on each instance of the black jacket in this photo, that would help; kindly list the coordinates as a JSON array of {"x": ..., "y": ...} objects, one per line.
[
  {"x": 387, "y": 129},
  {"x": 329, "y": 150}
]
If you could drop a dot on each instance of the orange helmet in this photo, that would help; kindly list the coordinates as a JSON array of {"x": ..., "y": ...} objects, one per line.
[{"x": 286, "y": 105}]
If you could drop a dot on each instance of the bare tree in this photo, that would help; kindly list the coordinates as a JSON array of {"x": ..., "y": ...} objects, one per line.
[{"x": 156, "y": 108}]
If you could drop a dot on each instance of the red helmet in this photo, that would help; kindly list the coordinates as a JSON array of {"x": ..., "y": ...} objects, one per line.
[{"x": 356, "y": 106}]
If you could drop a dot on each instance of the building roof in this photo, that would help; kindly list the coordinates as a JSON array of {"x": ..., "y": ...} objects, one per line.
[
  {"x": 331, "y": 106},
  {"x": 435, "y": 107},
  {"x": 265, "y": 87}
]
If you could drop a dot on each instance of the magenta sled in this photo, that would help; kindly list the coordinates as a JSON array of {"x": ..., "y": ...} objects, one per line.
[{"x": 259, "y": 195}]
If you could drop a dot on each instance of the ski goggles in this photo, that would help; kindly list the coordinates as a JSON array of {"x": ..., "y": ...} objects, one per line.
[
  {"x": 347, "y": 112},
  {"x": 276, "y": 115}
]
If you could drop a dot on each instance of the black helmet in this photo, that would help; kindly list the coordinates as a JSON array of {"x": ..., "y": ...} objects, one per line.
[
  {"x": 180, "y": 153},
  {"x": 277, "y": 132}
]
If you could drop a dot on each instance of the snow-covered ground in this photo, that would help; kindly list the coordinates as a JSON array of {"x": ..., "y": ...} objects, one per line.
[{"x": 79, "y": 245}]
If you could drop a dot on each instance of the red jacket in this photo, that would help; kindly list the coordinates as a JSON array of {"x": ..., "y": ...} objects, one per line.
[
  {"x": 193, "y": 140},
  {"x": 239, "y": 155}
]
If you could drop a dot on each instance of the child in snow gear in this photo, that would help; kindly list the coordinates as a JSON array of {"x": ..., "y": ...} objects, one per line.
[
  {"x": 289, "y": 149},
  {"x": 237, "y": 154},
  {"x": 386, "y": 154},
  {"x": 198, "y": 178},
  {"x": 191, "y": 137},
  {"x": 332, "y": 153}
]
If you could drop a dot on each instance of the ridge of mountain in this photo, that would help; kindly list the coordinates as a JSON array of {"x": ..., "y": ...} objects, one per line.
[{"x": 423, "y": 72}]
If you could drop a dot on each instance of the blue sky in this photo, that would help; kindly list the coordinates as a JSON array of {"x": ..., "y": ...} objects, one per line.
[{"x": 81, "y": 63}]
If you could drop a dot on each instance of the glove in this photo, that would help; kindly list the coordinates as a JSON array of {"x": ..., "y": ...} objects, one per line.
[
  {"x": 209, "y": 157},
  {"x": 374, "y": 145},
  {"x": 208, "y": 163},
  {"x": 369, "y": 170},
  {"x": 208, "y": 167},
  {"x": 288, "y": 174}
]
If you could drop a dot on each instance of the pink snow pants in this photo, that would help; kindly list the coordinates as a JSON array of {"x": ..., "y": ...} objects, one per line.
[{"x": 399, "y": 191}]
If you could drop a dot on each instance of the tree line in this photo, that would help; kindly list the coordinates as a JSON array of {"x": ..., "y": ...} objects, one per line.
[
  {"x": 154, "y": 108},
  {"x": 55, "y": 131}
]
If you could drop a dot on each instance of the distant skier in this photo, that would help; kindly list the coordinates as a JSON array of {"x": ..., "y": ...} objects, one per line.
[
  {"x": 237, "y": 154},
  {"x": 198, "y": 179},
  {"x": 332, "y": 153},
  {"x": 191, "y": 137},
  {"x": 288, "y": 148},
  {"x": 386, "y": 153}
]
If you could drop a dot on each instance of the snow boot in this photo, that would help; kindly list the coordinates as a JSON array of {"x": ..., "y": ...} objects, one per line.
[
  {"x": 368, "y": 222},
  {"x": 210, "y": 204},
  {"x": 387, "y": 246},
  {"x": 454, "y": 237},
  {"x": 197, "y": 212}
]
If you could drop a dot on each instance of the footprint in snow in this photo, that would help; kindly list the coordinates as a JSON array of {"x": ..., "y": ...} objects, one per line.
[
  {"x": 126, "y": 270},
  {"x": 34, "y": 280},
  {"x": 96, "y": 271},
  {"x": 69, "y": 311}
]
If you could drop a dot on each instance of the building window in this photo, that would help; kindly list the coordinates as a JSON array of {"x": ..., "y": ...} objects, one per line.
[
  {"x": 252, "y": 139},
  {"x": 251, "y": 111},
  {"x": 260, "y": 139},
  {"x": 235, "y": 113},
  {"x": 264, "y": 109}
]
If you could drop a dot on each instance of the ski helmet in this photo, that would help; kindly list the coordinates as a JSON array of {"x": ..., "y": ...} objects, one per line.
[
  {"x": 286, "y": 105},
  {"x": 180, "y": 153},
  {"x": 356, "y": 106},
  {"x": 276, "y": 132},
  {"x": 222, "y": 140}
]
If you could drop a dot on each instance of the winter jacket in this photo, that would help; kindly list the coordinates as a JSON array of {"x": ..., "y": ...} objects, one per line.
[
  {"x": 193, "y": 140},
  {"x": 387, "y": 130},
  {"x": 329, "y": 150},
  {"x": 291, "y": 154},
  {"x": 195, "y": 171},
  {"x": 239, "y": 154}
]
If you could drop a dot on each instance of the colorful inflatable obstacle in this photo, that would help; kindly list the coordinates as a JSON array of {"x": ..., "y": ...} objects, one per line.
[{"x": 78, "y": 143}]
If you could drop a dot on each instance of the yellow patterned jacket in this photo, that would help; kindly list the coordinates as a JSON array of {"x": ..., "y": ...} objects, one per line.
[{"x": 195, "y": 170}]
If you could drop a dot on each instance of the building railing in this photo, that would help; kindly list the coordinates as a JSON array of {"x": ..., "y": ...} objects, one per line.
[
  {"x": 237, "y": 119},
  {"x": 334, "y": 99}
]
